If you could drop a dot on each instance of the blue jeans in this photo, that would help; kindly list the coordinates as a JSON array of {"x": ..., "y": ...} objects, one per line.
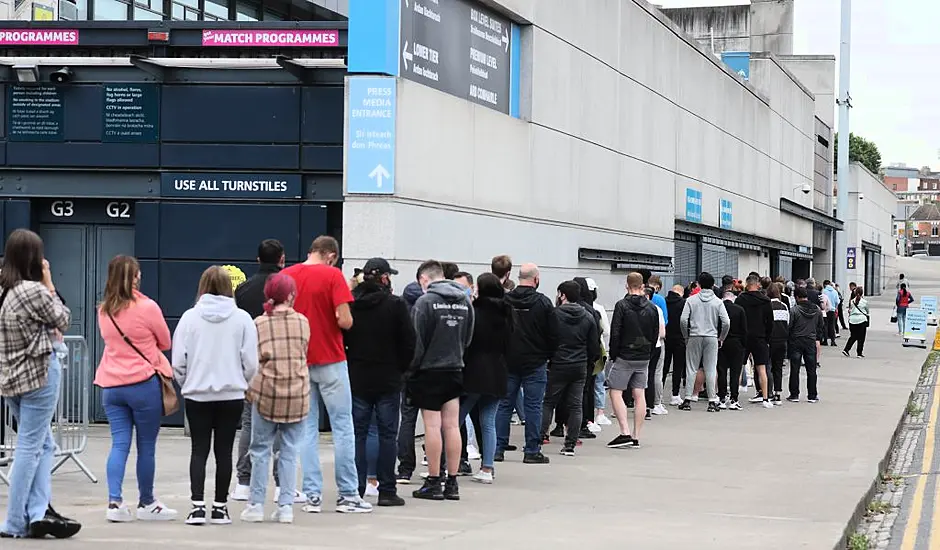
[
  {"x": 31, "y": 473},
  {"x": 520, "y": 405},
  {"x": 532, "y": 384},
  {"x": 902, "y": 319},
  {"x": 289, "y": 437},
  {"x": 372, "y": 446},
  {"x": 331, "y": 384},
  {"x": 488, "y": 407},
  {"x": 137, "y": 406},
  {"x": 380, "y": 411},
  {"x": 600, "y": 392}
]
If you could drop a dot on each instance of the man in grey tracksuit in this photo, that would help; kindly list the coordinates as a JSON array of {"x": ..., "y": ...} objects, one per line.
[{"x": 704, "y": 325}]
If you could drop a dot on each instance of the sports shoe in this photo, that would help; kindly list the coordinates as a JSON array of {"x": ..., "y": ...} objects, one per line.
[
  {"x": 283, "y": 514},
  {"x": 776, "y": 400},
  {"x": 793, "y": 399},
  {"x": 620, "y": 442},
  {"x": 372, "y": 490},
  {"x": 676, "y": 401},
  {"x": 483, "y": 477},
  {"x": 713, "y": 407},
  {"x": 473, "y": 453},
  {"x": 734, "y": 405},
  {"x": 197, "y": 516},
  {"x": 649, "y": 415},
  {"x": 403, "y": 479},
  {"x": 567, "y": 450},
  {"x": 220, "y": 514},
  {"x": 634, "y": 444},
  {"x": 431, "y": 490},
  {"x": 424, "y": 460},
  {"x": 546, "y": 440},
  {"x": 602, "y": 420},
  {"x": 861, "y": 356},
  {"x": 693, "y": 399},
  {"x": 156, "y": 511},
  {"x": 594, "y": 427},
  {"x": 559, "y": 431},
  {"x": 537, "y": 458},
  {"x": 253, "y": 513},
  {"x": 845, "y": 352},
  {"x": 756, "y": 399},
  {"x": 119, "y": 513},
  {"x": 241, "y": 493},
  {"x": 451, "y": 489},
  {"x": 686, "y": 405},
  {"x": 299, "y": 497},
  {"x": 723, "y": 404},
  {"x": 390, "y": 499},
  {"x": 511, "y": 448},
  {"x": 660, "y": 410},
  {"x": 313, "y": 505},
  {"x": 768, "y": 404},
  {"x": 499, "y": 456},
  {"x": 586, "y": 434},
  {"x": 813, "y": 400},
  {"x": 464, "y": 469},
  {"x": 352, "y": 505}
]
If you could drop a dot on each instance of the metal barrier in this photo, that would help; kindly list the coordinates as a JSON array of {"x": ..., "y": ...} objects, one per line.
[{"x": 72, "y": 415}]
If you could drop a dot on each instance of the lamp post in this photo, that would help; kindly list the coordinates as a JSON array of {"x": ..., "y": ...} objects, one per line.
[{"x": 845, "y": 103}]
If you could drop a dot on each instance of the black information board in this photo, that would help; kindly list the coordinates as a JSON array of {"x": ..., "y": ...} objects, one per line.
[
  {"x": 457, "y": 47},
  {"x": 35, "y": 113},
  {"x": 131, "y": 113}
]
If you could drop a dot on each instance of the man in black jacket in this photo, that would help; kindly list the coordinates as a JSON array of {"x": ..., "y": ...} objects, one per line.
[
  {"x": 249, "y": 296},
  {"x": 731, "y": 354},
  {"x": 760, "y": 325},
  {"x": 531, "y": 346},
  {"x": 634, "y": 331},
  {"x": 674, "y": 347},
  {"x": 578, "y": 343},
  {"x": 807, "y": 330},
  {"x": 379, "y": 349}
]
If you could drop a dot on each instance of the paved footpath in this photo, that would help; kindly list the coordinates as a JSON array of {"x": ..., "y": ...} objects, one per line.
[{"x": 786, "y": 478}]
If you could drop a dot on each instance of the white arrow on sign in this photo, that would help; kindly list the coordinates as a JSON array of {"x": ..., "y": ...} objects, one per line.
[
  {"x": 506, "y": 41},
  {"x": 406, "y": 55},
  {"x": 379, "y": 174}
]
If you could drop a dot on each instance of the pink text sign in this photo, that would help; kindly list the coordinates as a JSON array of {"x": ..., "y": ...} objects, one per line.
[
  {"x": 38, "y": 37},
  {"x": 308, "y": 38}
]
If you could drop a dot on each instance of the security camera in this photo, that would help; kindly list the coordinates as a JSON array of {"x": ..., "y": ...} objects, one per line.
[
  {"x": 806, "y": 189},
  {"x": 861, "y": 196},
  {"x": 61, "y": 76}
]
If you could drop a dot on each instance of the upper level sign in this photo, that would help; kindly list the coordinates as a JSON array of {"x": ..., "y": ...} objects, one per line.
[{"x": 457, "y": 47}]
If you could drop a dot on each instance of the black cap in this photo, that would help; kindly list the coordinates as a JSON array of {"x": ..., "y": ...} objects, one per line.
[{"x": 378, "y": 266}]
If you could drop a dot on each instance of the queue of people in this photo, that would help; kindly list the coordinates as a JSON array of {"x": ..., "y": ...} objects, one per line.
[{"x": 262, "y": 359}]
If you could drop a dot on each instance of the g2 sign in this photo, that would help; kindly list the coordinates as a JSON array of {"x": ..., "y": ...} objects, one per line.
[{"x": 118, "y": 210}]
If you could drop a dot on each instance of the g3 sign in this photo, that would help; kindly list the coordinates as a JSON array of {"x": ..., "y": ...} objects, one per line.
[
  {"x": 63, "y": 209},
  {"x": 87, "y": 211}
]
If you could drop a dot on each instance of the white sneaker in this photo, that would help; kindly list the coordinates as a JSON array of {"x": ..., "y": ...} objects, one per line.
[
  {"x": 299, "y": 498},
  {"x": 121, "y": 514},
  {"x": 693, "y": 399},
  {"x": 483, "y": 477},
  {"x": 352, "y": 505},
  {"x": 723, "y": 405},
  {"x": 253, "y": 513},
  {"x": 602, "y": 420},
  {"x": 756, "y": 399},
  {"x": 313, "y": 505},
  {"x": 659, "y": 410},
  {"x": 242, "y": 493},
  {"x": 594, "y": 428},
  {"x": 676, "y": 401},
  {"x": 283, "y": 514},
  {"x": 768, "y": 404},
  {"x": 156, "y": 511},
  {"x": 473, "y": 453},
  {"x": 372, "y": 490}
]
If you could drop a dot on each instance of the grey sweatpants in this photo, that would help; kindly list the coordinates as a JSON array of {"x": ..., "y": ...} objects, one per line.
[
  {"x": 701, "y": 350},
  {"x": 659, "y": 379},
  {"x": 243, "y": 465}
]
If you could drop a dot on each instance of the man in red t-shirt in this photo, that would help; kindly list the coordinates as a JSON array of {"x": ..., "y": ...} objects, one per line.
[{"x": 323, "y": 297}]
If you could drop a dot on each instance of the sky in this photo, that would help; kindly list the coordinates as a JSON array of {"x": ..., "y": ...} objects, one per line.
[{"x": 894, "y": 78}]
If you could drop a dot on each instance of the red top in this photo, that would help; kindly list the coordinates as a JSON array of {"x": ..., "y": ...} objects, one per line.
[{"x": 320, "y": 290}]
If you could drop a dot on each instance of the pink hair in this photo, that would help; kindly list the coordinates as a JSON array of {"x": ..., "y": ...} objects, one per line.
[{"x": 277, "y": 290}]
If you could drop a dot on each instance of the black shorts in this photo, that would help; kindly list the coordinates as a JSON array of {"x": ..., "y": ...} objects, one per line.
[
  {"x": 429, "y": 390},
  {"x": 759, "y": 350}
]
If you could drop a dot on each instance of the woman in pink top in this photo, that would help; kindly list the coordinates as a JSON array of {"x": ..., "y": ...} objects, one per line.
[{"x": 133, "y": 398}]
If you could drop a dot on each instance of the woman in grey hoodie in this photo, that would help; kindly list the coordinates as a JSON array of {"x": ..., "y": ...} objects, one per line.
[{"x": 215, "y": 355}]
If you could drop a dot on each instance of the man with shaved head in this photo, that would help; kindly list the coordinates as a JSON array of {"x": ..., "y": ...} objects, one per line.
[{"x": 531, "y": 345}]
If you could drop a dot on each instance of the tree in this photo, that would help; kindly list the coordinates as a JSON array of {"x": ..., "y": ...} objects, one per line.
[{"x": 863, "y": 151}]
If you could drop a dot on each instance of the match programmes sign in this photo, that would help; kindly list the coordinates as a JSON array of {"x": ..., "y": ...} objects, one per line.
[
  {"x": 915, "y": 326},
  {"x": 307, "y": 38},
  {"x": 40, "y": 37}
]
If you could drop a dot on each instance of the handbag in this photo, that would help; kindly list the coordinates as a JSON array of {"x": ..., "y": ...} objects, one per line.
[
  {"x": 894, "y": 314},
  {"x": 171, "y": 402}
]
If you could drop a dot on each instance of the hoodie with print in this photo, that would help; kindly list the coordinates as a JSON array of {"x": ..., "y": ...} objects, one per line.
[
  {"x": 704, "y": 315},
  {"x": 215, "y": 350},
  {"x": 443, "y": 319}
]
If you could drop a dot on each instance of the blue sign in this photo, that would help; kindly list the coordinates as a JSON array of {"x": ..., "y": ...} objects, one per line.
[
  {"x": 851, "y": 255},
  {"x": 693, "y": 205},
  {"x": 739, "y": 62},
  {"x": 915, "y": 326},
  {"x": 929, "y": 304},
  {"x": 725, "y": 218},
  {"x": 370, "y": 135},
  {"x": 231, "y": 186},
  {"x": 373, "y": 36}
]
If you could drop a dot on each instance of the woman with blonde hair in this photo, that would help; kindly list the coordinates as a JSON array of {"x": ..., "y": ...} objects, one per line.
[
  {"x": 135, "y": 336},
  {"x": 215, "y": 354}
]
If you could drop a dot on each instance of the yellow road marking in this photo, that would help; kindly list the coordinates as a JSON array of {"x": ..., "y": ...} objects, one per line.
[{"x": 913, "y": 522}]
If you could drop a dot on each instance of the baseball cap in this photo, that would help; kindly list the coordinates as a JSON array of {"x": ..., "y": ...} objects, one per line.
[
  {"x": 377, "y": 266},
  {"x": 591, "y": 284}
]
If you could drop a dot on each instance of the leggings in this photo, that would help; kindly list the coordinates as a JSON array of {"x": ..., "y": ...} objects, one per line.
[{"x": 212, "y": 424}]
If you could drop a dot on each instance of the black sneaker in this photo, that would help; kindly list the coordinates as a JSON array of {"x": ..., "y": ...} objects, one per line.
[
  {"x": 465, "y": 469},
  {"x": 686, "y": 405},
  {"x": 776, "y": 399},
  {"x": 511, "y": 448},
  {"x": 559, "y": 431},
  {"x": 649, "y": 414},
  {"x": 500, "y": 456},
  {"x": 845, "y": 352},
  {"x": 197, "y": 516},
  {"x": 586, "y": 434},
  {"x": 813, "y": 400},
  {"x": 713, "y": 407},
  {"x": 403, "y": 479},
  {"x": 567, "y": 450},
  {"x": 5, "y": 535},
  {"x": 861, "y": 356},
  {"x": 431, "y": 490},
  {"x": 451, "y": 490},
  {"x": 66, "y": 528},
  {"x": 793, "y": 399},
  {"x": 220, "y": 514},
  {"x": 390, "y": 499},
  {"x": 620, "y": 442},
  {"x": 634, "y": 444},
  {"x": 51, "y": 525},
  {"x": 537, "y": 458}
]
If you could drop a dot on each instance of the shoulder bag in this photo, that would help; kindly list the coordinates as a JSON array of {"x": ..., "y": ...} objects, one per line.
[{"x": 171, "y": 402}]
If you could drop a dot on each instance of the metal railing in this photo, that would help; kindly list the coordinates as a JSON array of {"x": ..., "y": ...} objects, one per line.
[{"x": 72, "y": 415}]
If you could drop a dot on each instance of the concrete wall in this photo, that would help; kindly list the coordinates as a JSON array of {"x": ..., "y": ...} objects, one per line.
[
  {"x": 716, "y": 28},
  {"x": 818, "y": 74},
  {"x": 870, "y": 219},
  {"x": 771, "y": 26}
]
